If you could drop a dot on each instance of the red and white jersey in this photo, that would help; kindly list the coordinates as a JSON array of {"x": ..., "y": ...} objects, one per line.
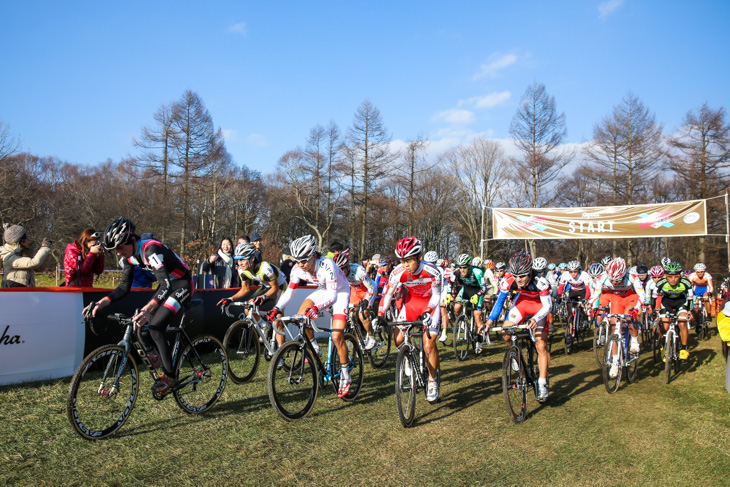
[
  {"x": 626, "y": 287},
  {"x": 328, "y": 277},
  {"x": 422, "y": 288},
  {"x": 580, "y": 282}
]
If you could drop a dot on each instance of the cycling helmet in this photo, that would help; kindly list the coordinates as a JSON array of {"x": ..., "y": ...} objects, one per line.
[
  {"x": 673, "y": 269},
  {"x": 551, "y": 266},
  {"x": 632, "y": 271},
  {"x": 666, "y": 261},
  {"x": 595, "y": 270},
  {"x": 606, "y": 259},
  {"x": 616, "y": 269},
  {"x": 686, "y": 273},
  {"x": 539, "y": 264},
  {"x": 489, "y": 264},
  {"x": 342, "y": 258},
  {"x": 562, "y": 266},
  {"x": 463, "y": 260},
  {"x": 700, "y": 267},
  {"x": 441, "y": 263},
  {"x": 304, "y": 248},
  {"x": 244, "y": 251},
  {"x": 476, "y": 262},
  {"x": 119, "y": 232},
  {"x": 385, "y": 260},
  {"x": 642, "y": 270},
  {"x": 408, "y": 247},
  {"x": 500, "y": 266},
  {"x": 520, "y": 264},
  {"x": 657, "y": 271},
  {"x": 431, "y": 256},
  {"x": 574, "y": 265}
]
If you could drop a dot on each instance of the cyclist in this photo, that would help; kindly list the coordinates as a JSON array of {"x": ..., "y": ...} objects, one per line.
[
  {"x": 174, "y": 290},
  {"x": 606, "y": 260},
  {"x": 553, "y": 277},
  {"x": 473, "y": 288},
  {"x": 531, "y": 305},
  {"x": 576, "y": 284},
  {"x": 362, "y": 289},
  {"x": 253, "y": 271},
  {"x": 432, "y": 258},
  {"x": 333, "y": 290},
  {"x": 676, "y": 294},
  {"x": 421, "y": 282},
  {"x": 595, "y": 271},
  {"x": 625, "y": 295},
  {"x": 701, "y": 287}
]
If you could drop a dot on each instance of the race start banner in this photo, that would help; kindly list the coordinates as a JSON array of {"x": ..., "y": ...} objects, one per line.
[{"x": 680, "y": 219}]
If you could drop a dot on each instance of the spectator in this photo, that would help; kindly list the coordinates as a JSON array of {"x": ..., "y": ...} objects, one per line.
[
  {"x": 84, "y": 257},
  {"x": 256, "y": 241},
  {"x": 18, "y": 265},
  {"x": 243, "y": 239},
  {"x": 222, "y": 266},
  {"x": 372, "y": 266},
  {"x": 287, "y": 263},
  {"x": 335, "y": 246}
]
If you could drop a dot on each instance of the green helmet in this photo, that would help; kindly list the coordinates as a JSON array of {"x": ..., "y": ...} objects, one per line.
[
  {"x": 463, "y": 260},
  {"x": 673, "y": 268}
]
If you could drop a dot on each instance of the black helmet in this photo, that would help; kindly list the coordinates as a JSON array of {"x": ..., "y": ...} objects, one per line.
[
  {"x": 642, "y": 270},
  {"x": 520, "y": 264},
  {"x": 119, "y": 232}
]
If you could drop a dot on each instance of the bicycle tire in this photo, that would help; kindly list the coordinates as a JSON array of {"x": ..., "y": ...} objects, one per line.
[
  {"x": 405, "y": 388},
  {"x": 293, "y": 390},
  {"x": 612, "y": 384},
  {"x": 461, "y": 338},
  {"x": 92, "y": 404},
  {"x": 632, "y": 365},
  {"x": 668, "y": 356},
  {"x": 202, "y": 370},
  {"x": 568, "y": 346},
  {"x": 243, "y": 350},
  {"x": 656, "y": 346},
  {"x": 599, "y": 335},
  {"x": 355, "y": 367},
  {"x": 378, "y": 355},
  {"x": 514, "y": 385}
]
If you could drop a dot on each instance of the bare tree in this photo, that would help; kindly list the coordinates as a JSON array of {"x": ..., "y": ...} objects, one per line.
[
  {"x": 413, "y": 164},
  {"x": 8, "y": 144}
]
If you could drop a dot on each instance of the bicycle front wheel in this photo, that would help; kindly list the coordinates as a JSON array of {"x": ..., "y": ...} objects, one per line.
[
  {"x": 599, "y": 341},
  {"x": 379, "y": 354},
  {"x": 514, "y": 385},
  {"x": 243, "y": 350},
  {"x": 102, "y": 393},
  {"x": 461, "y": 338},
  {"x": 202, "y": 371},
  {"x": 612, "y": 383},
  {"x": 405, "y": 387},
  {"x": 293, "y": 381},
  {"x": 354, "y": 366},
  {"x": 669, "y": 355}
]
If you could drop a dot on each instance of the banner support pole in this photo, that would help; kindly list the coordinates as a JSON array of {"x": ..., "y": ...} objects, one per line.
[{"x": 727, "y": 228}]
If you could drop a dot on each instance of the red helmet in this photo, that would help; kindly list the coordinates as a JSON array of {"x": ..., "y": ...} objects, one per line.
[
  {"x": 342, "y": 258},
  {"x": 520, "y": 264},
  {"x": 616, "y": 269},
  {"x": 408, "y": 247},
  {"x": 657, "y": 271}
]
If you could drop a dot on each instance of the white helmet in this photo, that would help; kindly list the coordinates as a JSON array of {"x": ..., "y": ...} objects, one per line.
[
  {"x": 574, "y": 265},
  {"x": 700, "y": 266},
  {"x": 476, "y": 262},
  {"x": 539, "y": 264},
  {"x": 303, "y": 247},
  {"x": 431, "y": 256},
  {"x": 666, "y": 261}
]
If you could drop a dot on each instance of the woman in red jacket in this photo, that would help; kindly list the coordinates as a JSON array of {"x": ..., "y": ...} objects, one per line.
[{"x": 84, "y": 258}]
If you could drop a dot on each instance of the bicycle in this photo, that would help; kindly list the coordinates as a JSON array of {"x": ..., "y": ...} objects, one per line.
[
  {"x": 577, "y": 325},
  {"x": 464, "y": 330},
  {"x": 702, "y": 327},
  {"x": 600, "y": 337},
  {"x": 378, "y": 355},
  {"x": 242, "y": 342},
  {"x": 105, "y": 386},
  {"x": 671, "y": 348},
  {"x": 294, "y": 385},
  {"x": 411, "y": 371},
  {"x": 519, "y": 374},
  {"x": 647, "y": 327},
  {"x": 626, "y": 359}
]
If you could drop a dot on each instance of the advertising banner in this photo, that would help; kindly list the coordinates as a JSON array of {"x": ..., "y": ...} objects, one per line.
[{"x": 679, "y": 219}]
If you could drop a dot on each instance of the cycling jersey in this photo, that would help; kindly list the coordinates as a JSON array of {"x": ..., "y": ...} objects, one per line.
[
  {"x": 701, "y": 285},
  {"x": 333, "y": 287},
  {"x": 474, "y": 278},
  {"x": 578, "y": 283},
  {"x": 361, "y": 286},
  {"x": 533, "y": 300},
  {"x": 673, "y": 298},
  {"x": 623, "y": 296},
  {"x": 422, "y": 293},
  {"x": 262, "y": 277}
]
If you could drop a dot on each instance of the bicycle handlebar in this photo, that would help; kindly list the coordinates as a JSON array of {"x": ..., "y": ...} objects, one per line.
[
  {"x": 514, "y": 329},
  {"x": 244, "y": 304},
  {"x": 303, "y": 320}
]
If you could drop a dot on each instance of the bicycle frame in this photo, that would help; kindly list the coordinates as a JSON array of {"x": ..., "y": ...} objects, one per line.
[
  {"x": 406, "y": 328},
  {"x": 304, "y": 322},
  {"x": 259, "y": 324},
  {"x": 519, "y": 335}
]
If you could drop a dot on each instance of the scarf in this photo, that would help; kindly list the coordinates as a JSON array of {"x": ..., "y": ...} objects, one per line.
[{"x": 228, "y": 259}]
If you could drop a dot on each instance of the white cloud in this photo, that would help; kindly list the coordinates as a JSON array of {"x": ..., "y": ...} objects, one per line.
[
  {"x": 489, "y": 100},
  {"x": 239, "y": 28},
  {"x": 456, "y": 116},
  {"x": 495, "y": 64},
  {"x": 607, "y": 8},
  {"x": 229, "y": 135},
  {"x": 257, "y": 140}
]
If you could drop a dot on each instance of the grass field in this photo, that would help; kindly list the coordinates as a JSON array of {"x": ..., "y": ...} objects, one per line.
[{"x": 648, "y": 433}]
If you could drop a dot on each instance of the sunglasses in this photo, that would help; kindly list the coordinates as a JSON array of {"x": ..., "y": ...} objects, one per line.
[
  {"x": 463, "y": 267},
  {"x": 302, "y": 261}
]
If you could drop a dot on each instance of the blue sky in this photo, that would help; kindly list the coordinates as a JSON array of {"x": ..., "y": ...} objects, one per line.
[{"x": 80, "y": 79}]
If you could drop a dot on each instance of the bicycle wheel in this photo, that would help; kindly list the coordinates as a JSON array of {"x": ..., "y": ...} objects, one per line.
[
  {"x": 202, "y": 370},
  {"x": 293, "y": 390},
  {"x": 461, "y": 338},
  {"x": 669, "y": 356},
  {"x": 569, "y": 336},
  {"x": 405, "y": 387},
  {"x": 379, "y": 354},
  {"x": 599, "y": 341},
  {"x": 632, "y": 364},
  {"x": 612, "y": 383},
  {"x": 102, "y": 392},
  {"x": 656, "y": 345},
  {"x": 514, "y": 384},
  {"x": 354, "y": 366},
  {"x": 243, "y": 350}
]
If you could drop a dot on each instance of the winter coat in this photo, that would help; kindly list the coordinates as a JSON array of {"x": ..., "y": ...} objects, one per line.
[
  {"x": 19, "y": 267},
  {"x": 92, "y": 264},
  {"x": 218, "y": 269}
]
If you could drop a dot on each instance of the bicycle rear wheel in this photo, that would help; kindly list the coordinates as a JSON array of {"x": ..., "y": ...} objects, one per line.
[
  {"x": 379, "y": 354},
  {"x": 514, "y": 385},
  {"x": 612, "y": 383},
  {"x": 102, "y": 392},
  {"x": 568, "y": 335},
  {"x": 599, "y": 341},
  {"x": 242, "y": 347},
  {"x": 202, "y": 371},
  {"x": 461, "y": 338},
  {"x": 669, "y": 356},
  {"x": 293, "y": 388},
  {"x": 632, "y": 364},
  {"x": 354, "y": 366},
  {"x": 405, "y": 387}
]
